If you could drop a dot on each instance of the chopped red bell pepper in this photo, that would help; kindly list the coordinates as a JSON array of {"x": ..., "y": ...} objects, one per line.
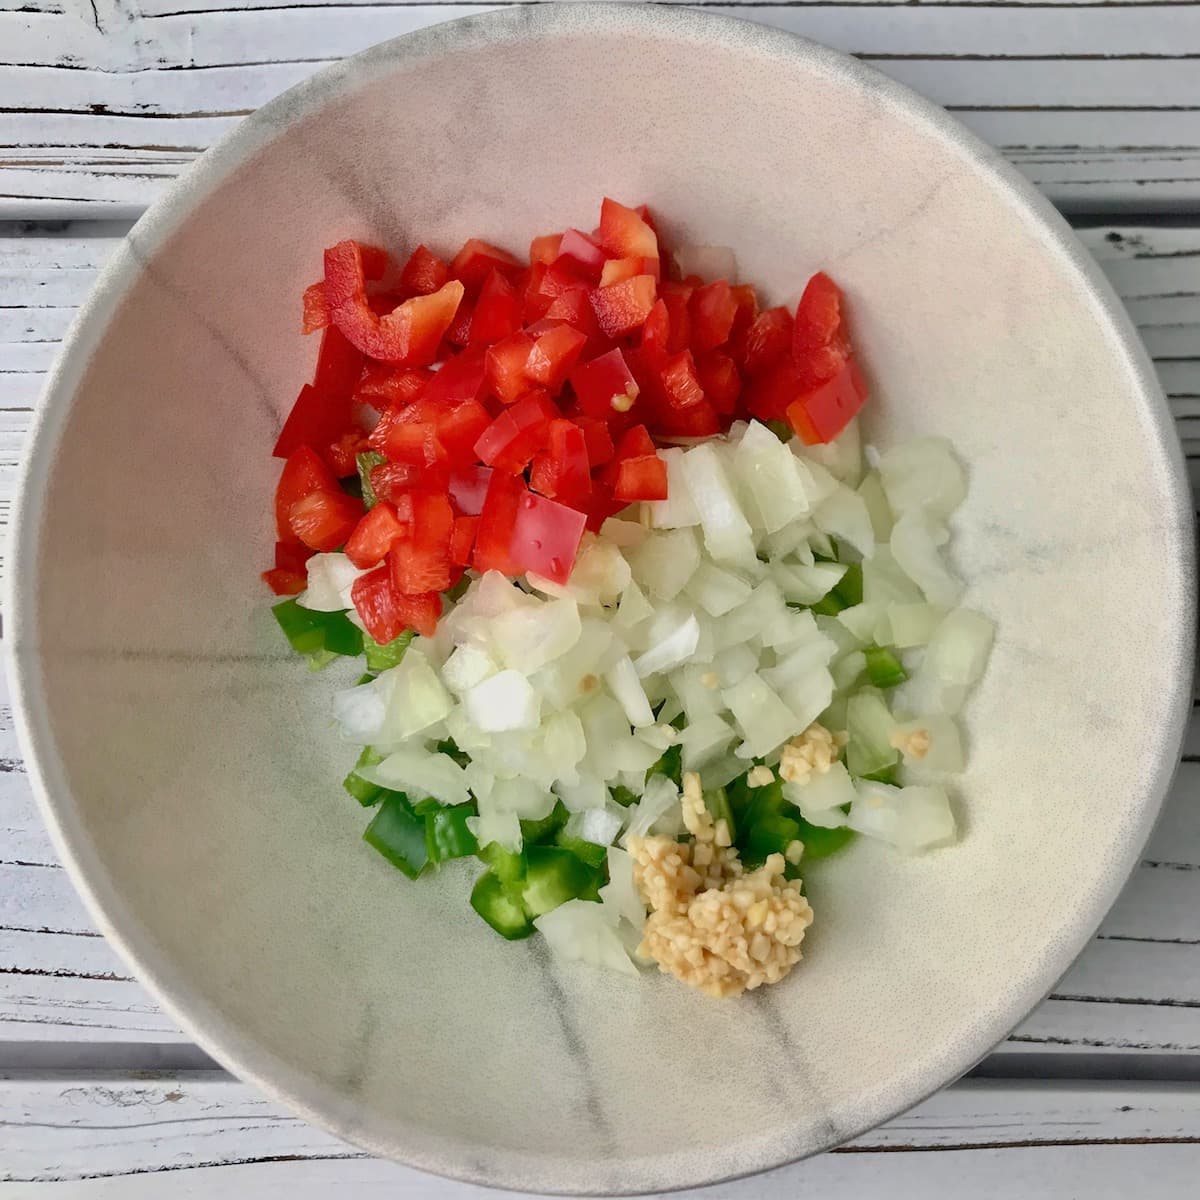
[
  {"x": 605, "y": 386},
  {"x": 493, "y": 537},
  {"x": 768, "y": 341},
  {"x": 574, "y": 307},
  {"x": 505, "y": 366},
  {"x": 712, "y": 310},
  {"x": 459, "y": 333},
  {"x": 583, "y": 253},
  {"x": 497, "y": 311},
  {"x": 818, "y": 316},
  {"x": 597, "y": 438},
  {"x": 625, "y": 233},
  {"x": 387, "y": 613},
  {"x": 562, "y": 470},
  {"x": 462, "y": 540},
  {"x": 478, "y": 259},
  {"x": 656, "y": 335},
  {"x": 718, "y": 376},
  {"x": 545, "y": 537},
  {"x": 424, "y": 273},
  {"x": 316, "y": 311},
  {"x": 545, "y": 248},
  {"x": 394, "y": 480},
  {"x": 316, "y": 419},
  {"x": 292, "y": 556},
  {"x": 517, "y": 434},
  {"x": 415, "y": 442},
  {"x": 822, "y": 412},
  {"x": 553, "y": 355},
  {"x": 617, "y": 270},
  {"x": 342, "y": 453},
  {"x": 420, "y": 559},
  {"x": 382, "y": 385},
  {"x": 680, "y": 384},
  {"x": 643, "y": 477},
  {"x": 678, "y": 297},
  {"x": 368, "y": 545},
  {"x": 623, "y": 307},
  {"x": 324, "y": 520},
  {"x": 468, "y": 488},
  {"x": 285, "y": 583},
  {"x": 303, "y": 474},
  {"x": 461, "y": 427},
  {"x": 460, "y": 378}
]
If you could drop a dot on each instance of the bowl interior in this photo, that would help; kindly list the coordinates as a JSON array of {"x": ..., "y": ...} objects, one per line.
[{"x": 188, "y": 762}]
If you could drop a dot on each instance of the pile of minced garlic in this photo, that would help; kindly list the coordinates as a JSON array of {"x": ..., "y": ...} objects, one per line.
[{"x": 712, "y": 924}]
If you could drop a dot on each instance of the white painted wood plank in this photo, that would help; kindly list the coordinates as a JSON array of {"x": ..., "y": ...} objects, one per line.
[
  {"x": 1099, "y": 105},
  {"x": 179, "y": 1129}
]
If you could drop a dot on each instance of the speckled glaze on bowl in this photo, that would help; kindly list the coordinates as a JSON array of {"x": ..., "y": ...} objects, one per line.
[{"x": 186, "y": 764}]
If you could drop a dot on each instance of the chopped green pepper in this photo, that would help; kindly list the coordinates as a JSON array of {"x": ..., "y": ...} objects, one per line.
[
  {"x": 820, "y": 842},
  {"x": 449, "y": 747},
  {"x": 622, "y": 796},
  {"x": 507, "y": 865},
  {"x": 543, "y": 830},
  {"x": 716, "y": 800},
  {"x": 847, "y": 593},
  {"x": 496, "y": 904},
  {"x": 884, "y": 669},
  {"x": 367, "y": 460},
  {"x": 552, "y": 877},
  {"x": 670, "y": 765},
  {"x": 770, "y": 835},
  {"x": 591, "y": 853},
  {"x": 447, "y": 835},
  {"x": 364, "y": 792},
  {"x": 782, "y": 430},
  {"x": 399, "y": 835},
  {"x": 889, "y": 775},
  {"x": 318, "y": 634},
  {"x": 380, "y": 658}
]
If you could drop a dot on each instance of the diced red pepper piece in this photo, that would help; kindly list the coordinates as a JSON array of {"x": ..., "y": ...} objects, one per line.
[
  {"x": 462, "y": 540},
  {"x": 411, "y": 333},
  {"x": 316, "y": 311},
  {"x": 553, "y": 355},
  {"x": 460, "y": 428},
  {"x": 379, "y": 605},
  {"x": 605, "y": 386},
  {"x": 768, "y": 393},
  {"x": 382, "y": 385},
  {"x": 394, "y": 480},
  {"x": 517, "y": 434},
  {"x": 324, "y": 520},
  {"x": 373, "y": 536},
  {"x": 477, "y": 259},
  {"x": 656, "y": 334},
  {"x": 597, "y": 438},
  {"x": 680, "y": 384},
  {"x": 821, "y": 413},
  {"x": 375, "y": 261},
  {"x": 768, "y": 341},
  {"x": 623, "y": 307},
  {"x": 602, "y": 505},
  {"x": 718, "y": 375},
  {"x": 303, "y": 474},
  {"x": 458, "y": 379},
  {"x": 712, "y": 310},
  {"x": 574, "y": 307},
  {"x": 468, "y": 488},
  {"x": 493, "y": 538},
  {"x": 292, "y": 556},
  {"x": 415, "y": 442},
  {"x": 459, "y": 333},
  {"x": 641, "y": 478},
  {"x": 424, "y": 273},
  {"x": 545, "y": 248},
  {"x": 545, "y": 537},
  {"x": 678, "y": 297},
  {"x": 342, "y": 453},
  {"x": 339, "y": 365},
  {"x": 315, "y": 420},
  {"x": 583, "y": 252},
  {"x": 697, "y": 421},
  {"x": 497, "y": 311},
  {"x": 562, "y": 471},
  {"x": 285, "y": 583},
  {"x": 505, "y": 366},
  {"x": 617, "y": 270},
  {"x": 633, "y": 443},
  {"x": 818, "y": 316},
  {"x": 420, "y": 560},
  {"x": 625, "y": 233}
]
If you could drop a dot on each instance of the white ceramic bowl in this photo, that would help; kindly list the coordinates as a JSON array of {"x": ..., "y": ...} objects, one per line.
[{"x": 186, "y": 764}]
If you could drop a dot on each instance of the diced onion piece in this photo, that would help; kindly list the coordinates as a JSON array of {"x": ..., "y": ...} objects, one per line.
[
  {"x": 663, "y": 565},
  {"x": 923, "y": 474},
  {"x": 870, "y": 726},
  {"x": 330, "y": 578},
  {"x": 717, "y": 590},
  {"x": 818, "y": 483},
  {"x": 734, "y": 663},
  {"x": 843, "y": 457},
  {"x": 884, "y": 582},
  {"x": 523, "y": 797},
  {"x": 467, "y": 666},
  {"x": 361, "y": 711},
  {"x": 528, "y": 638},
  {"x": 492, "y": 825},
  {"x": 620, "y": 894},
  {"x": 958, "y": 651},
  {"x": 563, "y": 744},
  {"x": 503, "y": 702},
  {"x": 659, "y": 798},
  {"x": 931, "y": 744},
  {"x": 413, "y": 769},
  {"x": 633, "y": 609},
  {"x": 791, "y": 542},
  {"x": 824, "y": 790},
  {"x": 675, "y": 648},
  {"x": 848, "y": 670},
  {"x": 581, "y": 931},
  {"x": 844, "y": 516},
  {"x": 912, "y": 819},
  {"x": 878, "y": 509},
  {"x": 863, "y": 621},
  {"x": 766, "y": 721},
  {"x": 709, "y": 262},
  {"x": 596, "y": 825},
  {"x": 703, "y": 740},
  {"x": 588, "y": 792},
  {"x": 766, "y": 470},
  {"x": 807, "y": 585},
  {"x": 678, "y": 510},
  {"x": 623, "y": 682},
  {"x": 727, "y": 533},
  {"x": 915, "y": 542},
  {"x": 910, "y": 625},
  {"x": 623, "y": 534}
]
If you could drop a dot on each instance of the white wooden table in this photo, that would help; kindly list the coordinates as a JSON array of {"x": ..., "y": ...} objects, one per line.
[{"x": 102, "y": 103}]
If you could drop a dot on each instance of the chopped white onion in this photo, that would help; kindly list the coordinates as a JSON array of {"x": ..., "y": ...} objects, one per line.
[
  {"x": 912, "y": 819},
  {"x": 620, "y": 894},
  {"x": 412, "y": 769},
  {"x": 767, "y": 473},
  {"x": 916, "y": 539},
  {"x": 622, "y": 679},
  {"x": 581, "y": 931},
  {"x": 330, "y": 578},
  {"x": 671, "y": 650},
  {"x": 663, "y": 565},
  {"x": 658, "y": 798},
  {"x": 678, "y": 510},
  {"x": 923, "y": 474},
  {"x": 727, "y": 533},
  {"x": 844, "y": 516},
  {"x": 765, "y": 720},
  {"x": 503, "y": 702}
]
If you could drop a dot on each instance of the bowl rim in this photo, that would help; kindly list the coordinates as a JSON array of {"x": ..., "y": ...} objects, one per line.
[{"x": 197, "y": 1017}]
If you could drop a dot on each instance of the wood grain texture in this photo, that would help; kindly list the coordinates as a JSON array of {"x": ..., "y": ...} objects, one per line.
[
  {"x": 198, "y": 1134},
  {"x": 102, "y": 104}
]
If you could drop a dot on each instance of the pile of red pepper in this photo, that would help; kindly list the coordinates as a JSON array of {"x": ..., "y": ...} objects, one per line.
[{"x": 555, "y": 380}]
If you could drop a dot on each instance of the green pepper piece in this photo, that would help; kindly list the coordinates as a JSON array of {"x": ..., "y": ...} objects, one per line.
[
  {"x": 670, "y": 765},
  {"x": 399, "y": 835},
  {"x": 364, "y": 792},
  {"x": 782, "y": 430},
  {"x": 622, "y": 796},
  {"x": 449, "y": 747},
  {"x": 770, "y": 835},
  {"x": 820, "y": 842},
  {"x": 366, "y": 461},
  {"x": 342, "y": 636},
  {"x": 447, "y": 835},
  {"x": 544, "y": 830},
  {"x": 716, "y": 800},
  {"x": 847, "y": 593},
  {"x": 889, "y": 775},
  {"x": 424, "y": 807},
  {"x": 302, "y": 627},
  {"x": 380, "y": 658},
  {"x": 884, "y": 669},
  {"x": 495, "y": 903},
  {"x": 764, "y": 802},
  {"x": 589, "y": 852},
  {"x": 552, "y": 877}
]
